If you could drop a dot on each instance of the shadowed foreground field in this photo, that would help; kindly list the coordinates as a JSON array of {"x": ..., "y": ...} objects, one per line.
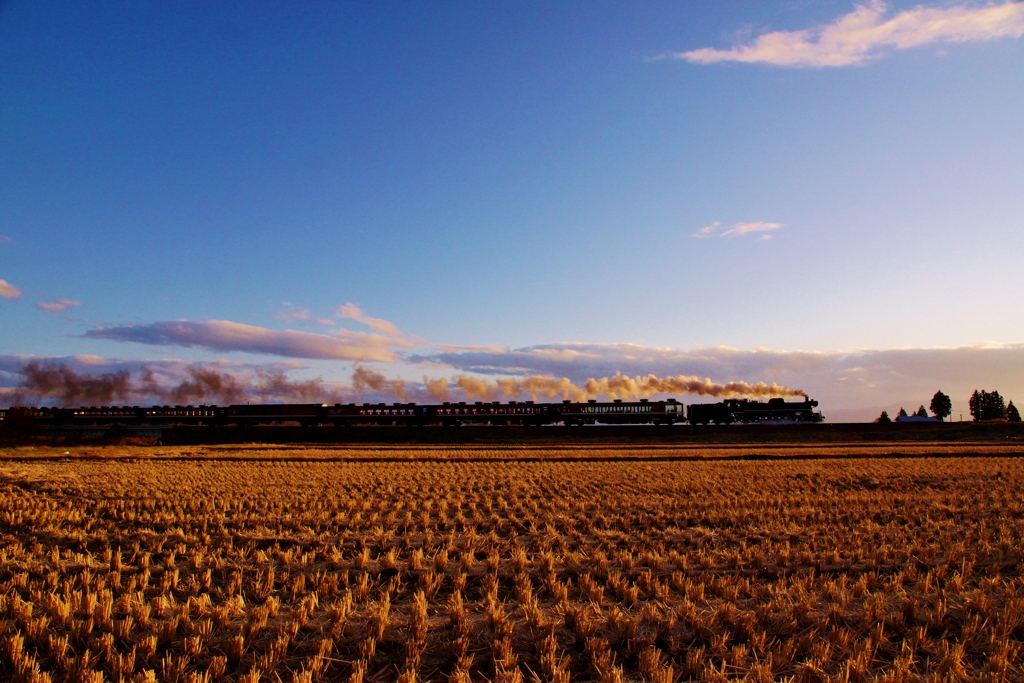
[{"x": 847, "y": 569}]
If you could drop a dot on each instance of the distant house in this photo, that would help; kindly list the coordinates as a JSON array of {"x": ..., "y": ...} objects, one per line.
[{"x": 915, "y": 418}]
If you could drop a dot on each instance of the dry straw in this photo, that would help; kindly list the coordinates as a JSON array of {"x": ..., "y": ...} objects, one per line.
[{"x": 892, "y": 570}]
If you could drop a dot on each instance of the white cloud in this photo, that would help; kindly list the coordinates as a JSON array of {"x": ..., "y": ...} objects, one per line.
[
  {"x": 59, "y": 306},
  {"x": 737, "y": 229},
  {"x": 353, "y": 312},
  {"x": 9, "y": 291},
  {"x": 865, "y": 34},
  {"x": 290, "y": 312}
]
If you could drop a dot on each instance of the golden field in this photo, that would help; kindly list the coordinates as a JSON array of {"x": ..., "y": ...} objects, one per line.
[{"x": 284, "y": 564}]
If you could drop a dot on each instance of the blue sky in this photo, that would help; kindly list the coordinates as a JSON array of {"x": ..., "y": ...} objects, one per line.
[{"x": 518, "y": 177}]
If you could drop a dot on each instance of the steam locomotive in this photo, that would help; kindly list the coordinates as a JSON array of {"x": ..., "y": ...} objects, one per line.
[{"x": 571, "y": 413}]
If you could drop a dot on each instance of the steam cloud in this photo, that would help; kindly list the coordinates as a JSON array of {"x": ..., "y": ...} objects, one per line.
[
  {"x": 617, "y": 386},
  {"x": 363, "y": 379},
  {"x": 275, "y": 385},
  {"x": 63, "y": 383},
  {"x": 50, "y": 381},
  {"x": 204, "y": 384}
]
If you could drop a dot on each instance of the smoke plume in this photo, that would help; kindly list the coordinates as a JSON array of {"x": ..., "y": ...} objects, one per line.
[
  {"x": 58, "y": 382},
  {"x": 437, "y": 389},
  {"x": 61, "y": 382},
  {"x": 277, "y": 386},
  {"x": 206, "y": 384},
  {"x": 203, "y": 384},
  {"x": 363, "y": 379},
  {"x": 617, "y": 386},
  {"x": 621, "y": 386}
]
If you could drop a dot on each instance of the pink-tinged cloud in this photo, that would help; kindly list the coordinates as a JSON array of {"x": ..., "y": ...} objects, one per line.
[
  {"x": 290, "y": 312},
  {"x": 865, "y": 34},
  {"x": 353, "y": 312},
  {"x": 224, "y": 335},
  {"x": 9, "y": 291},
  {"x": 59, "y": 306},
  {"x": 737, "y": 229}
]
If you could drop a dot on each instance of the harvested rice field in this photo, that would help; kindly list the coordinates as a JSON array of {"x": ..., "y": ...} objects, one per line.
[{"x": 511, "y": 564}]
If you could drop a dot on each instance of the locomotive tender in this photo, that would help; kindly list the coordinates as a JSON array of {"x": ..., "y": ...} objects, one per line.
[{"x": 571, "y": 413}]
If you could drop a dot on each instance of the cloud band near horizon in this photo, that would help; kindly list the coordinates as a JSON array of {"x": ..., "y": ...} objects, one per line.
[
  {"x": 849, "y": 381},
  {"x": 851, "y": 385}
]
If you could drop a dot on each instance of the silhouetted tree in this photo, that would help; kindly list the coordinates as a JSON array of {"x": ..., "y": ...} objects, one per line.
[
  {"x": 942, "y": 406},
  {"x": 902, "y": 413},
  {"x": 921, "y": 412},
  {"x": 883, "y": 418},
  {"x": 986, "y": 405},
  {"x": 1012, "y": 414}
]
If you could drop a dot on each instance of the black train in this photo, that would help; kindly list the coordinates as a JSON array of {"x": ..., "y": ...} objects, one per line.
[
  {"x": 743, "y": 410},
  {"x": 570, "y": 413}
]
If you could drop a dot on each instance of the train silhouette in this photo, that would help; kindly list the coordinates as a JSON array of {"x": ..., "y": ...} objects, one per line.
[{"x": 570, "y": 413}]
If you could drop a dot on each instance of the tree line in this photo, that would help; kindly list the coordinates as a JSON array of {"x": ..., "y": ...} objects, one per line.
[{"x": 984, "y": 405}]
